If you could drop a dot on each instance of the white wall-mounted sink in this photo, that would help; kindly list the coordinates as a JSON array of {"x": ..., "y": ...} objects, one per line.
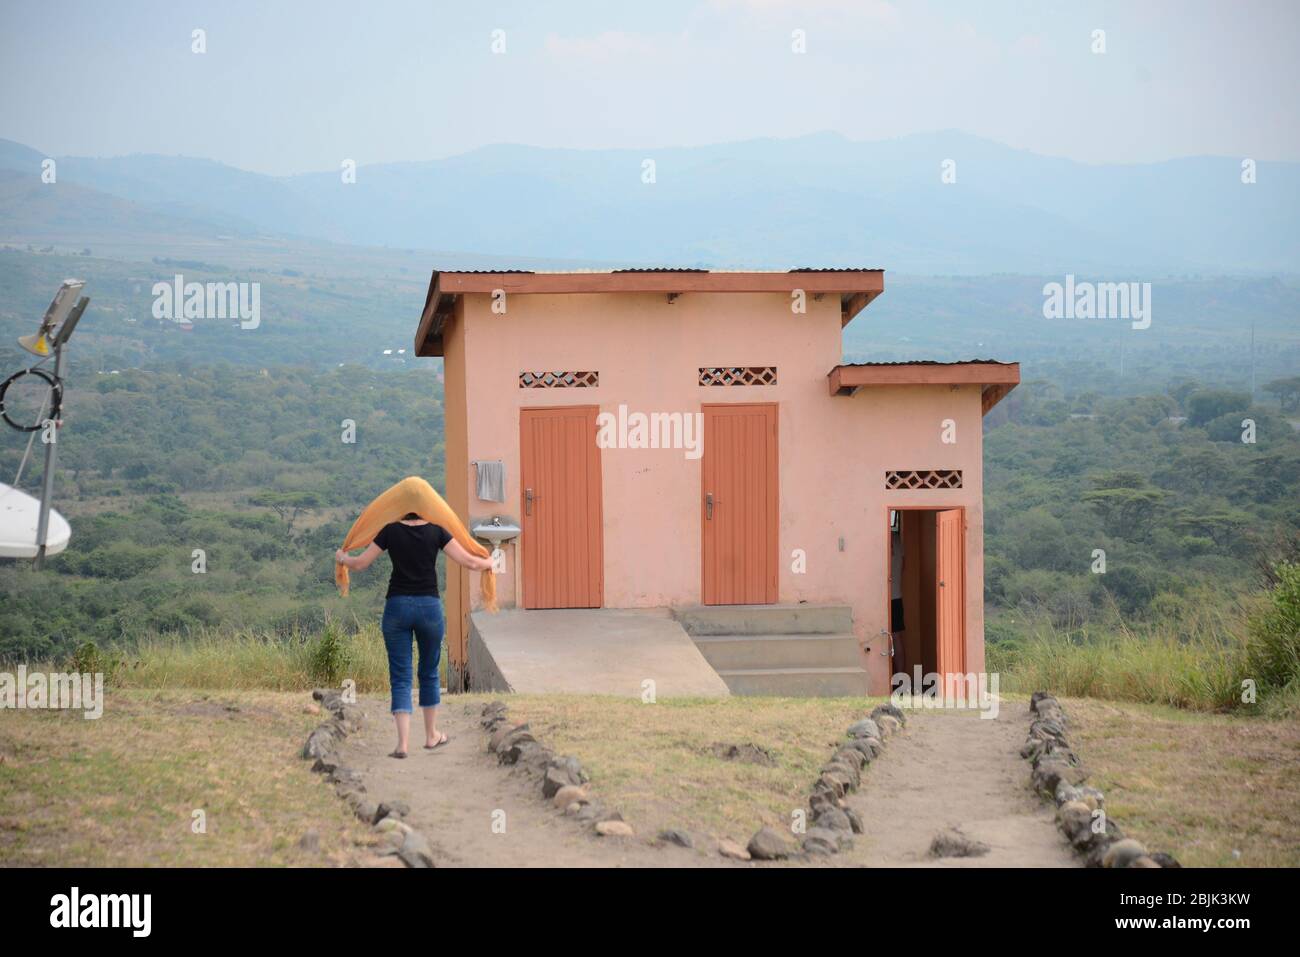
[{"x": 495, "y": 532}]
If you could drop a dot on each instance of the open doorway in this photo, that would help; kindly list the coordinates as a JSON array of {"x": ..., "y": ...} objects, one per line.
[{"x": 926, "y": 590}]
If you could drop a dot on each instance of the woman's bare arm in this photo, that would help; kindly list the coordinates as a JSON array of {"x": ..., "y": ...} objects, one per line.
[
  {"x": 458, "y": 553},
  {"x": 359, "y": 562}
]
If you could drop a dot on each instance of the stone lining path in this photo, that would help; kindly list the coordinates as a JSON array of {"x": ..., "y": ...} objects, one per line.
[
  {"x": 454, "y": 791},
  {"x": 955, "y": 769}
]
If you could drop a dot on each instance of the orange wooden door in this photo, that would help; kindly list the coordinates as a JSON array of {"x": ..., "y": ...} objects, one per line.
[
  {"x": 950, "y": 592},
  {"x": 562, "y": 534},
  {"x": 738, "y": 508}
]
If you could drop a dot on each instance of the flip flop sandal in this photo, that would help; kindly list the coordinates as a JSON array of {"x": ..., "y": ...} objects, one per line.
[
  {"x": 398, "y": 754},
  {"x": 446, "y": 739}
]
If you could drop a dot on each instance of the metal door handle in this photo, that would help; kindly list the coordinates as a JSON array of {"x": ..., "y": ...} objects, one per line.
[
  {"x": 528, "y": 501},
  {"x": 889, "y": 644},
  {"x": 708, "y": 505}
]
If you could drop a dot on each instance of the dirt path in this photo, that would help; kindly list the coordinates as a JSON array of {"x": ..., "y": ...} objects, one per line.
[
  {"x": 955, "y": 769},
  {"x": 455, "y": 791}
]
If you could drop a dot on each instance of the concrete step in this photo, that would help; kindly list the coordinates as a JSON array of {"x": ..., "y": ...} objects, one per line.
[
  {"x": 779, "y": 651},
  {"x": 765, "y": 619},
  {"x": 797, "y": 682}
]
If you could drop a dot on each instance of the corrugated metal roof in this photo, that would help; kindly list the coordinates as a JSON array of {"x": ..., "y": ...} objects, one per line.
[
  {"x": 924, "y": 362},
  {"x": 654, "y": 269}
]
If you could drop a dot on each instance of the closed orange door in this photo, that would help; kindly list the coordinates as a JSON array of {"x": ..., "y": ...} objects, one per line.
[
  {"x": 561, "y": 538},
  {"x": 738, "y": 508},
  {"x": 950, "y": 592}
]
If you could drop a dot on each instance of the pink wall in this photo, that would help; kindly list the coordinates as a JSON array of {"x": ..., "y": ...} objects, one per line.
[{"x": 833, "y": 450}]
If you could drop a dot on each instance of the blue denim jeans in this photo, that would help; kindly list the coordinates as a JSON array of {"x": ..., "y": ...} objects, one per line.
[{"x": 421, "y": 616}]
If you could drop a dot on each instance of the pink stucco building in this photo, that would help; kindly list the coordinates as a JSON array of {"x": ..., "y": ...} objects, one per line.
[{"x": 792, "y": 480}]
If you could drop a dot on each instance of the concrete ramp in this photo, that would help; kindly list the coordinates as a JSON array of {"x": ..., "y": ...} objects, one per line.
[{"x": 587, "y": 651}]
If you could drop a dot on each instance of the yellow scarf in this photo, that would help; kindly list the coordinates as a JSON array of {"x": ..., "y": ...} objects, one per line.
[{"x": 413, "y": 494}]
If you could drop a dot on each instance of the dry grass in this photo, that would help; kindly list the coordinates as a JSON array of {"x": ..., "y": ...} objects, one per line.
[
  {"x": 1215, "y": 790},
  {"x": 1198, "y": 666},
  {"x": 251, "y": 661},
  {"x": 655, "y": 763},
  {"x": 120, "y": 791}
]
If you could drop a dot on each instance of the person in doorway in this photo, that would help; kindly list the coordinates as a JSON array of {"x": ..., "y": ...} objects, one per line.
[{"x": 412, "y": 607}]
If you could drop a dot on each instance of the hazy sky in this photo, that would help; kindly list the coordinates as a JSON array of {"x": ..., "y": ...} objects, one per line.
[{"x": 288, "y": 87}]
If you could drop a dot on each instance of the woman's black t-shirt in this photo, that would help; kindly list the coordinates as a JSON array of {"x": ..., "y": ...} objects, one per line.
[{"x": 414, "y": 552}]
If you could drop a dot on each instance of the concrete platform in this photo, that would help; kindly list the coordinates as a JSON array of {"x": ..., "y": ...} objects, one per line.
[{"x": 587, "y": 651}]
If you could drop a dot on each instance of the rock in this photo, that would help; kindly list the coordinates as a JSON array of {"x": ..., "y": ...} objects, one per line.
[
  {"x": 319, "y": 743},
  {"x": 866, "y": 728},
  {"x": 1097, "y": 852},
  {"x": 572, "y": 809},
  {"x": 594, "y": 811},
  {"x": 834, "y": 783},
  {"x": 311, "y": 709},
  {"x": 517, "y": 747},
  {"x": 889, "y": 725},
  {"x": 368, "y": 811},
  {"x": 853, "y": 773},
  {"x": 1123, "y": 853},
  {"x": 398, "y": 809},
  {"x": 1073, "y": 817},
  {"x": 1039, "y": 696},
  {"x": 953, "y": 843},
  {"x": 733, "y": 850},
  {"x": 493, "y": 708},
  {"x": 415, "y": 851},
  {"x": 1164, "y": 860},
  {"x": 746, "y": 753},
  {"x": 866, "y": 748},
  {"x": 855, "y": 820},
  {"x": 674, "y": 836},
  {"x": 614, "y": 829},
  {"x": 850, "y": 756},
  {"x": 572, "y": 766},
  {"x": 570, "y": 794},
  {"x": 391, "y": 860},
  {"x": 890, "y": 709},
  {"x": 502, "y": 731},
  {"x": 515, "y": 734},
  {"x": 873, "y": 744},
  {"x": 819, "y": 801},
  {"x": 1067, "y": 792},
  {"x": 768, "y": 844},
  {"x": 556, "y": 779},
  {"x": 834, "y": 819},
  {"x": 1049, "y": 773},
  {"x": 1144, "y": 861},
  {"x": 392, "y": 825},
  {"x": 1093, "y": 798},
  {"x": 821, "y": 840},
  {"x": 310, "y": 842}
]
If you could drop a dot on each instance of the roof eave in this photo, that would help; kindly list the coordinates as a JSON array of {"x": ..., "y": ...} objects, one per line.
[{"x": 996, "y": 379}]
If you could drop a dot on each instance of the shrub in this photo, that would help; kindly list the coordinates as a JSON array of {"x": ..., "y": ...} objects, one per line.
[
  {"x": 331, "y": 655},
  {"x": 1273, "y": 642}
]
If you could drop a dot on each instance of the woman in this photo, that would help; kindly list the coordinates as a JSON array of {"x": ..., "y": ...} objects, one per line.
[{"x": 412, "y": 606}]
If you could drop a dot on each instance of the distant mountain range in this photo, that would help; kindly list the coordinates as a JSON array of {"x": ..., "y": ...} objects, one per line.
[{"x": 818, "y": 200}]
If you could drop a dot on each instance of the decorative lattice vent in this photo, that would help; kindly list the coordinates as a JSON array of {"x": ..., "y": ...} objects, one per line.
[
  {"x": 738, "y": 375},
  {"x": 923, "y": 478},
  {"x": 559, "y": 380}
]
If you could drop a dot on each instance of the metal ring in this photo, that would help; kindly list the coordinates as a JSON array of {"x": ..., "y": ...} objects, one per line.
[{"x": 56, "y": 387}]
